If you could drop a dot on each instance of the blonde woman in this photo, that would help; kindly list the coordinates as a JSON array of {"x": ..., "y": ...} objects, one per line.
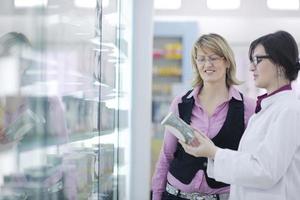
[{"x": 213, "y": 107}]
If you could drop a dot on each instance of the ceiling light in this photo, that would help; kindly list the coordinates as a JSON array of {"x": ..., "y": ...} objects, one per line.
[
  {"x": 30, "y": 3},
  {"x": 223, "y": 4},
  {"x": 167, "y": 4},
  {"x": 85, "y": 3},
  {"x": 283, "y": 5}
]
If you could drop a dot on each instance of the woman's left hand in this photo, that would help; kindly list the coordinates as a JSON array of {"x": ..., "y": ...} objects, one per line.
[{"x": 206, "y": 148}]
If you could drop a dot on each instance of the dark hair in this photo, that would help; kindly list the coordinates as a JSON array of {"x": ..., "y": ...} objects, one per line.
[
  {"x": 14, "y": 44},
  {"x": 283, "y": 51},
  {"x": 10, "y": 40}
]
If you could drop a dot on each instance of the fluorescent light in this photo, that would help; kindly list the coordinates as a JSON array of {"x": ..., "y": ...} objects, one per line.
[
  {"x": 223, "y": 4},
  {"x": 30, "y": 3},
  {"x": 167, "y": 4},
  {"x": 85, "y": 3},
  {"x": 283, "y": 5}
]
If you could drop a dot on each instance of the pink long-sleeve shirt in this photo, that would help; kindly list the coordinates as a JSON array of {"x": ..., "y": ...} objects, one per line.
[{"x": 209, "y": 125}]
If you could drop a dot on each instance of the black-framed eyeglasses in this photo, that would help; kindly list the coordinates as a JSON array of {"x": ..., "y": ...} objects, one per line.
[{"x": 257, "y": 59}]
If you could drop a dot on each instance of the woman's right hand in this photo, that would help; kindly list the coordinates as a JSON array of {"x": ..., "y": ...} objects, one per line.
[{"x": 206, "y": 147}]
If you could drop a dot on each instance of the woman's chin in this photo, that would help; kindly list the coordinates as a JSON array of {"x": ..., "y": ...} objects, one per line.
[{"x": 257, "y": 84}]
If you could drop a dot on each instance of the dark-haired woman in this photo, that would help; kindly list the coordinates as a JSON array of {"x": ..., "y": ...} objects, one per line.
[{"x": 266, "y": 165}]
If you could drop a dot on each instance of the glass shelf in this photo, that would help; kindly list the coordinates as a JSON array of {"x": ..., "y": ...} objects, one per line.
[{"x": 40, "y": 142}]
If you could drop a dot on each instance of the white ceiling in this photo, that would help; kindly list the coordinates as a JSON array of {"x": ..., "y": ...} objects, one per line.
[
  {"x": 240, "y": 26},
  {"x": 248, "y": 9}
]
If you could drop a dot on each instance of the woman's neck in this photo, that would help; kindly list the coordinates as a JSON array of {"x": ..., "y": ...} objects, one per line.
[
  {"x": 279, "y": 84},
  {"x": 213, "y": 95},
  {"x": 212, "y": 91}
]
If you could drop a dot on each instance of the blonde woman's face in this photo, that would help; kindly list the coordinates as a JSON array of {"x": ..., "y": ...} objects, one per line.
[{"x": 211, "y": 67}]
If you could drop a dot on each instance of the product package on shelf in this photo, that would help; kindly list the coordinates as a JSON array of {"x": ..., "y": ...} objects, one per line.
[
  {"x": 80, "y": 115},
  {"x": 167, "y": 71},
  {"x": 173, "y": 51},
  {"x": 82, "y": 163},
  {"x": 22, "y": 124},
  {"x": 106, "y": 170},
  {"x": 42, "y": 182}
]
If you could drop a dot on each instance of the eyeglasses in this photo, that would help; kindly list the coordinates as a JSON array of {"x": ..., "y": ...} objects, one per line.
[
  {"x": 257, "y": 59},
  {"x": 214, "y": 59}
]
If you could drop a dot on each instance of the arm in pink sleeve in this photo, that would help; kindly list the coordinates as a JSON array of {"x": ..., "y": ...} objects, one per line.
[
  {"x": 168, "y": 149},
  {"x": 249, "y": 109}
]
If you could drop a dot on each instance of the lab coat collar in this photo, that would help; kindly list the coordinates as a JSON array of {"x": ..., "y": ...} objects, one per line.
[{"x": 280, "y": 96}]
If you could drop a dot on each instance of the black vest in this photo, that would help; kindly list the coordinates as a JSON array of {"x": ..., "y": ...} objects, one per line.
[{"x": 185, "y": 166}]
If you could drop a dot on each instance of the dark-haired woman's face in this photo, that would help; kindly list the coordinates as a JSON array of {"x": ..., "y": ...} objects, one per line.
[{"x": 265, "y": 73}]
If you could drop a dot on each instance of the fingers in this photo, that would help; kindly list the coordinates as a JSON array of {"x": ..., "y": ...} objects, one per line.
[
  {"x": 187, "y": 148},
  {"x": 200, "y": 137},
  {"x": 180, "y": 141},
  {"x": 195, "y": 142},
  {"x": 184, "y": 145}
]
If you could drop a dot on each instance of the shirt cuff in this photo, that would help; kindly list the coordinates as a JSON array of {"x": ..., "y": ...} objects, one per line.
[
  {"x": 210, "y": 167},
  {"x": 211, "y": 164}
]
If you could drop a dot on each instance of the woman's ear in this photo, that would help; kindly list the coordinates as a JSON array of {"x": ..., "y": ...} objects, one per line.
[{"x": 280, "y": 71}]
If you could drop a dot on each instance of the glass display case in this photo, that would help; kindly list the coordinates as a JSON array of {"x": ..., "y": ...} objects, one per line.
[{"x": 64, "y": 99}]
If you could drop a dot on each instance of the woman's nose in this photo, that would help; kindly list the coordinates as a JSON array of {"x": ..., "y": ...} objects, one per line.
[
  {"x": 207, "y": 62},
  {"x": 252, "y": 67}
]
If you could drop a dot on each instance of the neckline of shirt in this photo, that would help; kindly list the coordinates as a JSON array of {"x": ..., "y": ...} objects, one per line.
[
  {"x": 275, "y": 98},
  {"x": 265, "y": 96},
  {"x": 233, "y": 93}
]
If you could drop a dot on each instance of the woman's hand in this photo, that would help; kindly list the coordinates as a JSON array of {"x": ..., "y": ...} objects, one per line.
[{"x": 206, "y": 147}]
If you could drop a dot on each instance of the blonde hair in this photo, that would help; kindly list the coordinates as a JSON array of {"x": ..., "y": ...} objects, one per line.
[{"x": 219, "y": 46}]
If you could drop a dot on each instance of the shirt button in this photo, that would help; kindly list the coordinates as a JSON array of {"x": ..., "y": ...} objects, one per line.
[{"x": 205, "y": 164}]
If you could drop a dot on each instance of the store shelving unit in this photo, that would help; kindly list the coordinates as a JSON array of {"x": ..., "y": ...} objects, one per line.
[
  {"x": 77, "y": 83},
  {"x": 171, "y": 71}
]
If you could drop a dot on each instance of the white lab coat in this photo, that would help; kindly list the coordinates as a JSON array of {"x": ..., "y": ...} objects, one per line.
[{"x": 267, "y": 163}]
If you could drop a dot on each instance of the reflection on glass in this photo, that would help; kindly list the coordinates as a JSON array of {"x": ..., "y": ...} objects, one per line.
[{"x": 66, "y": 105}]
